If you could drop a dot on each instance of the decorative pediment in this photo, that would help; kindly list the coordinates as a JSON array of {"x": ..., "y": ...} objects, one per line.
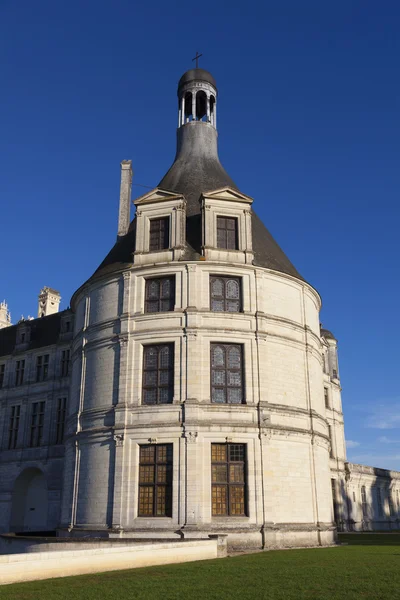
[
  {"x": 157, "y": 195},
  {"x": 228, "y": 193}
]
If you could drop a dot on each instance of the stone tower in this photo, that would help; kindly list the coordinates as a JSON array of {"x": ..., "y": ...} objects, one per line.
[
  {"x": 197, "y": 397},
  {"x": 49, "y": 302},
  {"x": 5, "y": 317}
]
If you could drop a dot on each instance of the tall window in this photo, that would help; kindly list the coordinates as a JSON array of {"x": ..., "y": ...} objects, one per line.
[
  {"x": 160, "y": 294},
  {"x": 158, "y": 374},
  {"x": 19, "y": 372},
  {"x": 14, "y": 427},
  {"x": 227, "y": 374},
  {"x": 379, "y": 501},
  {"x": 155, "y": 480},
  {"x": 2, "y": 372},
  {"x": 228, "y": 477},
  {"x": 364, "y": 502},
  {"x": 159, "y": 234},
  {"x": 227, "y": 233},
  {"x": 326, "y": 396},
  {"x": 42, "y": 367},
  {"x": 335, "y": 501},
  {"x": 391, "y": 506},
  {"x": 225, "y": 294},
  {"x": 65, "y": 356},
  {"x": 37, "y": 424},
  {"x": 61, "y": 406},
  {"x": 331, "y": 452}
]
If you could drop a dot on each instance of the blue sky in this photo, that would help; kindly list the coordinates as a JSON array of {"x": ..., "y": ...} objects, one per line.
[{"x": 308, "y": 125}]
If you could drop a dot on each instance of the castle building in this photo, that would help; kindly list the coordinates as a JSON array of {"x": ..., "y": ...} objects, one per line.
[{"x": 190, "y": 389}]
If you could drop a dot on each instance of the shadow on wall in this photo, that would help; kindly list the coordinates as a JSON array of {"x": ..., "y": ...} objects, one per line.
[
  {"x": 367, "y": 500},
  {"x": 29, "y": 502}
]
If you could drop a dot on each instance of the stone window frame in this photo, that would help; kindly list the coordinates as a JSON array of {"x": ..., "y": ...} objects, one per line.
[
  {"x": 156, "y": 484},
  {"x": 215, "y": 205},
  {"x": 157, "y": 205}
]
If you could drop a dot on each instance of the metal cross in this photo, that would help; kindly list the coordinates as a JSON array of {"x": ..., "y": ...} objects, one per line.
[{"x": 196, "y": 58}]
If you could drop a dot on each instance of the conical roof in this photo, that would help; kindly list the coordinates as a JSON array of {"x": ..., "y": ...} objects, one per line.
[{"x": 197, "y": 170}]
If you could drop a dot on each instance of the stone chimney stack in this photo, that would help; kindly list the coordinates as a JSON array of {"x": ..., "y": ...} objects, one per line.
[
  {"x": 124, "y": 217},
  {"x": 49, "y": 301},
  {"x": 5, "y": 317}
]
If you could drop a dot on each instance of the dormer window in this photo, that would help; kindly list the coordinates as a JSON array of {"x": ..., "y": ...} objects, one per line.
[
  {"x": 227, "y": 233},
  {"x": 159, "y": 234}
]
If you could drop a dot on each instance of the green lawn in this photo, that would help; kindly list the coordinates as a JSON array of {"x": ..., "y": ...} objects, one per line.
[{"x": 353, "y": 571}]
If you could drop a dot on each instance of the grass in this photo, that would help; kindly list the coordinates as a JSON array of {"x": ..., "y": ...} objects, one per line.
[{"x": 360, "y": 570}]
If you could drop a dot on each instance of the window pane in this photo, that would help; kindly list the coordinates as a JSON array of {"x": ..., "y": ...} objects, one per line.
[
  {"x": 166, "y": 377},
  {"x": 236, "y": 473},
  {"x": 165, "y": 288},
  {"x": 218, "y": 396},
  {"x": 218, "y": 452},
  {"x": 217, "y": 288},
  {"x": 236, "y": 500},
  {"x": 218, "y": 356},
  {"x": 146, "y": 474},
  {"x": 165, "y": 396},
  {"x": 236, "y": 452},
  {"x": 217, "y": 305},
  {"x": 232, "y": 306},
  {"x": 150, "y": 396},
  {"x": 150, "y": 377},
  {"x": 165, "y": 356},
  {"x": 218, "y": 377},
  {"x": 234, "y": 357},
  {"x": 234, "y": 396},
  {"x": 146, "y": 454},
  {"x": 219, "y": 474},
  {"x": 234, "y": 378},
  {"x": 150, "y": 355},
  {"x": 219, "y": 500},
  {"x": 232, "y": 289},
  {"x": 221, "y": 238},
  {"x": 153, "y": 289},
  {"x": 146, "y": 496}
]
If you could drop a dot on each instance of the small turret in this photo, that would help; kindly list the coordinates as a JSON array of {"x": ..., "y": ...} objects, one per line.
[
  {"x": 49, "y": 302},
  {"x": 5, "y": 317}
]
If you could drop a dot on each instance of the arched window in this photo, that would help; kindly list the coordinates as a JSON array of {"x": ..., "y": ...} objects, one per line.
[
  {"x": 158, "y": 372},
  {"x": 225, "y": 294},
  {"x": 188, "y": 107},
  {"x": 226, "y": 374}
]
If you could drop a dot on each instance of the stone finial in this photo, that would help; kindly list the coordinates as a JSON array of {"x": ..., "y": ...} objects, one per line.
[
  {"x": 49, "y": 302},
  {"x": 124, "y": 216},
  {"x": 5, "y": 317}
]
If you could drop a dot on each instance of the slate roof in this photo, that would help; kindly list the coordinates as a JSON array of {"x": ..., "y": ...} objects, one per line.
[
  {"x": 196, "y": 75},
  {"x": 327, "y": 334},
  {"x": 43, "y": 332},
  {"x": 197, "y": 170}
]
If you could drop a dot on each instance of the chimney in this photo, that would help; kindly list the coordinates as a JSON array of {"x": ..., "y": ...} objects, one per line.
[
  {"x": 49, "y": 301},
  {"x": 124, "y": 217}
]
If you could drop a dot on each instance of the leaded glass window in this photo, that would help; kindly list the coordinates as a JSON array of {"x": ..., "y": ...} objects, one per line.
[
  {"x": 158, "y": 374},
  {"x": 160, "y": 294},
  {"x": 159, "y": 234},
  {"x": 225, "y": 294},
  {"x": 227, "y": 374},
  {"x": 155, "y": 480},
  {"x": 19, "y": 372},
  {"x": 227, "y": 233},
  {"x": 228, "y": 479}
]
